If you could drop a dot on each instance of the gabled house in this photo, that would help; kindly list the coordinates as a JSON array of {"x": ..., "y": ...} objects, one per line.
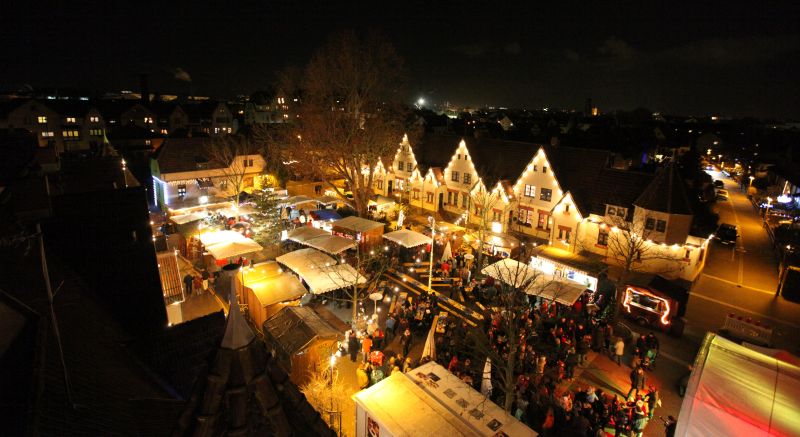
[{"x": 210, "y": 117}]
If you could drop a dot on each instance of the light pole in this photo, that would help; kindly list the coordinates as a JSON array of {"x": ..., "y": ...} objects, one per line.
[
  {"x": 751, "y": 180},
  {"x": 766, "y": 210},
  {"x": 432, "y": 221}
]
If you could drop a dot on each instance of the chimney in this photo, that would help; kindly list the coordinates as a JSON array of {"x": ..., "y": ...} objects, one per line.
[{"x": 145, "y": 90}]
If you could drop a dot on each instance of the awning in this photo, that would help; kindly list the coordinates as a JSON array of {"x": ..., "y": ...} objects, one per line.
[
  {"x": 332, "y": 244},
  {"x": 320, "y": 271},
  {"x": 188, "y": 218},
  {"x": 357, "y": 224},
  {"x": 305, "y": 233},
  {"x": 210, "y": 238},
  {"x": 296, "y": 200},
  {"x": 407, "y": 238},
  {"x": 233, "y": 212},
  {"x": 329, "y": 200},
  {"x": 231, "y": 249},
  {"x": 325, "y": 214},
  {"x": 534, "y": 282}
]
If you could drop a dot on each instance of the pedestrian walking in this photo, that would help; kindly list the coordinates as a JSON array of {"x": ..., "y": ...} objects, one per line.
[
  {"x": 366, "y": 347},
  {"x": 405, "y": 341},
  {"x": 391, "y": 324},
  {"x": 653, "y": 400},
  {"x": 188, "y": 280},
  {"x": 619, "y": 350},
  {"x": 352, "y": 347},
  {"x": 197, "y": 285}
]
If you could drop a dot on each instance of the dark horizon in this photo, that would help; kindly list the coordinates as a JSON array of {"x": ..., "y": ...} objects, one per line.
[{"x": 725, "y": 59}]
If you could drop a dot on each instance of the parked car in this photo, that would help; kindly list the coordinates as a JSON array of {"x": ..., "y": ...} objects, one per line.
[
  {"x": 726, "y": 233},
  {"x": 649, "y": 307},
  {"x": 722, "y": 194},
  {"x": 719, "y": 184}
]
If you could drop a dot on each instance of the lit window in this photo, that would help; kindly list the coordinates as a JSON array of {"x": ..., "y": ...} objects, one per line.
[
  {"x": 181, "y": 191},
  {"x": 545, "y": 194},
  {"x": 164, "y": 131},
  {"x": 148, "y": 120},
  {"x": 429, "y": 197},
  {"x": 41, "y": 119},
  {"x": 612, "y": 211},
  {"x": 564, "y": 233},
  {"x": 530, "y": 191},
  {"x": 70, "y": 119},
  {"x": 47, "y": 134},
  {"x": 525, "y": 216},
  {"x": 602, "y": 237},
  {"x": 94, "y": 119}
]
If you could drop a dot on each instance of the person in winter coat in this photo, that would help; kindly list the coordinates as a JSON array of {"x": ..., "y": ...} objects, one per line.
[
  {"x": 582, "y": 349},
  {"x": 366, "y": 347},
  {"x": 405, "y": 341},
  {"x": 638, "y": 379},
  {"x": 352, "y": 347},
  {"x": 619, "y": 350}
]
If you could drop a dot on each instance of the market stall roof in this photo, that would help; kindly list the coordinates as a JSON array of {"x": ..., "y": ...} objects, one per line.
[
  {"x": 357, "y": 224},
  {"x": 381, "y": 200},
  {"x": 500, "y": 240},
  {"x": 271, "y": 284},
  {"x": 734, "y": 390},
  {"x": 232, "y": 212},
  {"x": 429, "y": 400},
  {"x": 210, "y": 238},
  {"x": 329, "y": 200},
  {"x": 407, "y": 238},
  {"x": 304, "y": 259},
  {"x": 535, "y": 282},
  {"x": 182, "y": 219},
  {"x": 295, "y": 328},
  {"x": 296, "y": 200},
  {"x": 305, "y": 233},
  {"x": 332, "y": 244},
  {"x": 231, "y": 249}
]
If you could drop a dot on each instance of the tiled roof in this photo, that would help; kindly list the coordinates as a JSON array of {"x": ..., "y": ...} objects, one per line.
[
  {"x": 293, "y": 328},
  {"x": 183, "y": 154},
  {"x": 611, "y": 187},
  {"x": 666, "y": 193}
]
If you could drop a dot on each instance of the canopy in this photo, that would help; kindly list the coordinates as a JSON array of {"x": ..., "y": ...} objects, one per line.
[
  {"x": 305, "y": 258},
  {"x": 233, "y": 248},
  {"x": 332, "y": 244},
  {"x": 357, "y": 224},
  {"x": 407, "y": 238},
  {"x": 187, "y": 218},
  {"x": 304, "y": 233},
  {"x": 534, "y": 282},
  {"x": 325, "y": 214},
  {"x": 329, "y": 200},
  {"x": 447, "y": 254},
  {"x": 296, "y": 200},
  {"x": 233, "y": 211},
  {"x": 270, "y": 284},
  {"x": 734, "y": 390},
  {"x": 215, "y": 237},
  {"x": 429, "y": 350},
  {"x": 320, "y": 271}
]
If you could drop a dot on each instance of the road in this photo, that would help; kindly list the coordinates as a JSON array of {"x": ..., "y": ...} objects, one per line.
[{"x": 741, "y": 279}]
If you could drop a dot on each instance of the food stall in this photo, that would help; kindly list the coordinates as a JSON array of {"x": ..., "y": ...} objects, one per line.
[
  {"x": 301, "y": 340},
  {"x": 266, "y": 289},
  {"x": 429, "y": 400},
  {"x": 535, "y": 282},
  {"x": 320, "y": 272},
  {"x": 573, "y": 267},
  {"x": 367, "y": 232}
]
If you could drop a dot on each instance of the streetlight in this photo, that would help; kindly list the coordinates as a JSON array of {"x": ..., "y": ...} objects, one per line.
[
  {"x": 432, "y": 221},
  {"x": 769, "y": 204},
  {"x": 751, "y": 180}
]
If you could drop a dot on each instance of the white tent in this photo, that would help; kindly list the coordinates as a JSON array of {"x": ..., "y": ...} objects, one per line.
[
  {"x": 304, "y": 233},
  {"x": 357, "y": 224},
  {"x": 305, "y": 258},
  {"x": 734, "y": 390},
  {"x": 296, "y": 200},
  {"x": 320, "y": 271},
  {"x": 187, "y": 218},
  {"x": 486, "y": 379},
  {"x": 407, "y": 238},
  {"x": 429, "y": 350},
  {"x": 517, "y": 274},
  {"x": 230, "y": 249},
  {"x": 215, "y": 237},
  {"x": 332, "y": 244},
  {"x": 448, "y": 253}
]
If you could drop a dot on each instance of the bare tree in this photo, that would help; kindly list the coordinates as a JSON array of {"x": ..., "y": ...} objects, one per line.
[
  {"x": 484, "y": 202},
  {"x": 516, "y": 283},
  {"x": 348, "y": 117},
  {"x": 235, "y": 154}
]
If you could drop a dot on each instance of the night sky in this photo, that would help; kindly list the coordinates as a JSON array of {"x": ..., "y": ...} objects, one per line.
[{"x": 731, "y": 58}]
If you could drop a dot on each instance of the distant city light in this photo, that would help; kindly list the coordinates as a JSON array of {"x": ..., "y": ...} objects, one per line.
[{"x": 420, "y": 101}]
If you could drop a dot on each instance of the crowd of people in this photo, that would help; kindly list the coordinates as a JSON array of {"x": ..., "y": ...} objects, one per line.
[{"x": 552, "y": 341}]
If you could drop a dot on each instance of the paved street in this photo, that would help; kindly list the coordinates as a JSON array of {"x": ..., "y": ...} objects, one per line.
[{"x": 743, "y": 279}]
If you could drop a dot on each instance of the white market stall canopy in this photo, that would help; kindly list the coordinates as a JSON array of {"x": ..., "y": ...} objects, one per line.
[
  {"x": 296, "y": 200},
  {"x": 332, "y": 244},
  {"x": 407, "y": 238},
  {"x": 304, "y": 233},
  {"x": 534, "y": 282},
  {"x": 210, "y": 238},
  {"x": 231, "y": 249},
  {"x": 429, "y": 400},
  {"x": 233, "y": 212},
  {"x": 188, "y": 218},
  {"x": 734, "y": 390},
  {"x": 329, "y": 200},
  {"x": 320, "y": 271},
  {"x": 357, "y": 224}
]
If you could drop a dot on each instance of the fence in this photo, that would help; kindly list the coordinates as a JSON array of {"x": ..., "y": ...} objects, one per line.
[{"x": 747, "y": 329}]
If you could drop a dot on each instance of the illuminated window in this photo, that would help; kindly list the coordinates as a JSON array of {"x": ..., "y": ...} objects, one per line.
[
  {"x": 612, "y": 211},
  {"x": 429, "y": 197},
  {"x": 164, "y": 131},
  {"x": 41, "y": 119},
  {"x": 564, "y": 233},
  {"x": 94, "y": 119},
  {"x": 544, "y": 221},
  {"x": 545, "y": 194},
  {"x": 148, "y": 120},
  {"x": 530, "y": 190},
  {"x": 181, "y": 191},
  {"x": 379, "y": 184},
  {"x": 525, "y": 216},
  {"x": 467, "y": 178},
  {"x": 602, "y": 237},
  {"x": 454, "y": 176},
  {"x": 48, "y": 134},
  {"x": 70, "y": 119}
]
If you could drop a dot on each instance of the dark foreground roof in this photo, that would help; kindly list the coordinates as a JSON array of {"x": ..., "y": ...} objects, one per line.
[{"x": 183, "y": 154}]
